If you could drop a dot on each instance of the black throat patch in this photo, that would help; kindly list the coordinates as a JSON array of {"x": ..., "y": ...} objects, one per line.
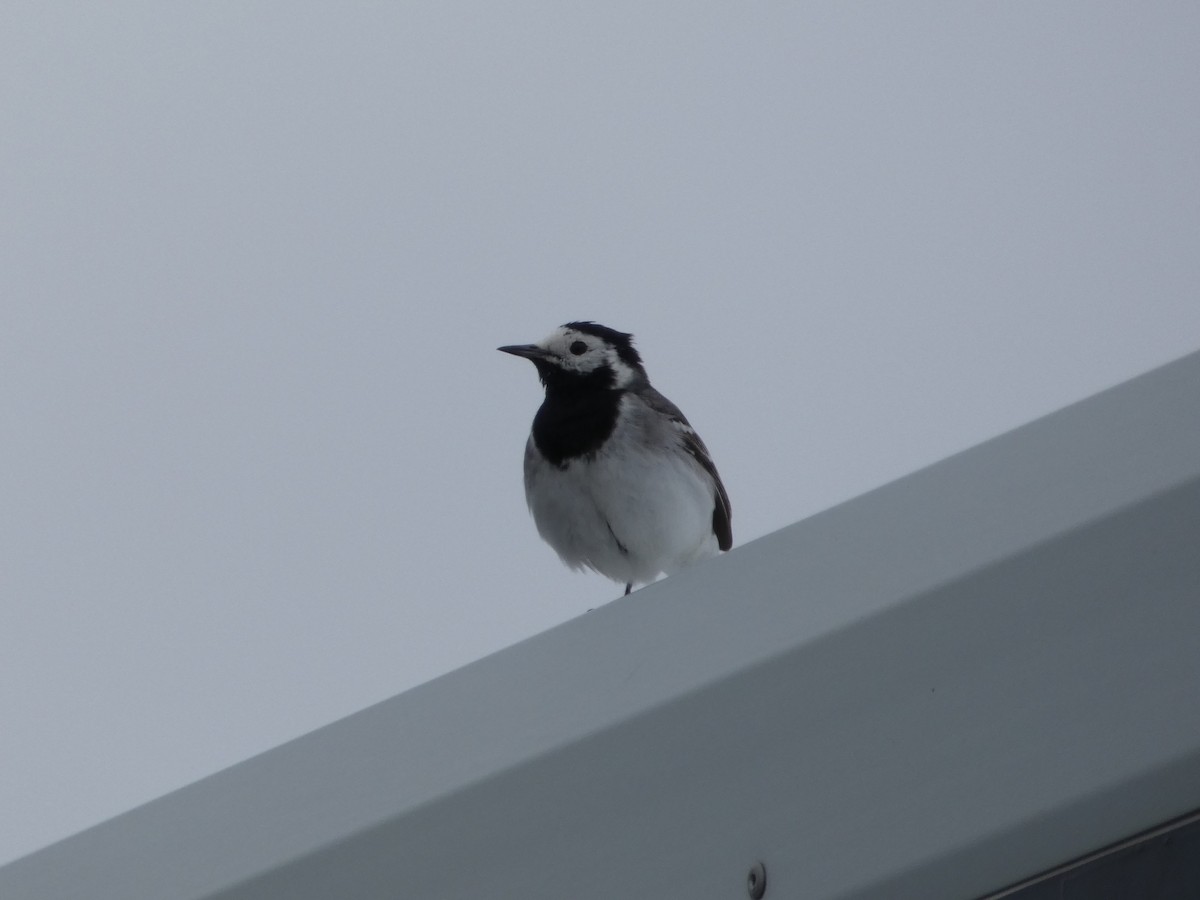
[{"x": 577, "y": 416}]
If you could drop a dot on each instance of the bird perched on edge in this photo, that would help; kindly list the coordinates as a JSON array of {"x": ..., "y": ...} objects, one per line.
[{"x": 617, "y": 479}]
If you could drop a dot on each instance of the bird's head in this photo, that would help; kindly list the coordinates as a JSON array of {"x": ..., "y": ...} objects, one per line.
[{"x": 583, "y": 355}]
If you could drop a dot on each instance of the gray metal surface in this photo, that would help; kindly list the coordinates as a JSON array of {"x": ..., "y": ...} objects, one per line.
[
  {"x": 1161, "y": 864},
  {"x": 937, "y": 689}
]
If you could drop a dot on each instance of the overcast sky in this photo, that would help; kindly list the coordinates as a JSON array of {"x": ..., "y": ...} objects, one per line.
[{"x": 261, "y": 459}]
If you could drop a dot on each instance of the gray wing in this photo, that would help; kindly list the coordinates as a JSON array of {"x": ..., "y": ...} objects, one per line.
[{"x": 722, "y": 512}]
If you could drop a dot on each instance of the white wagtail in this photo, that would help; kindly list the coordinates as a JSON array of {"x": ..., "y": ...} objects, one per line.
[{"x": 616, "y": 478}]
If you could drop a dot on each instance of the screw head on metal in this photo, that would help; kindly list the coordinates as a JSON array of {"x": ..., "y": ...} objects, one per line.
[{"x": 756, "y": 881}]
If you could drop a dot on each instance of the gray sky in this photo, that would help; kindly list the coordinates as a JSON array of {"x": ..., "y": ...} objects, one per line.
[{"x": 262, "y": 463}]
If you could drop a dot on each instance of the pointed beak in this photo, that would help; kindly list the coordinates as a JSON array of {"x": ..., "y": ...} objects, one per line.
[{"x": 529, "y": 351}]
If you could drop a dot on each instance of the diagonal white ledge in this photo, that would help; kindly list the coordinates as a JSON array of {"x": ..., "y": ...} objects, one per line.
[{"x": 936, "y": 689}]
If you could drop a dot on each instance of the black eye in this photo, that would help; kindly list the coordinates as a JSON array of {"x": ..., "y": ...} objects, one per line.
[{"x": 579, "y": 348}]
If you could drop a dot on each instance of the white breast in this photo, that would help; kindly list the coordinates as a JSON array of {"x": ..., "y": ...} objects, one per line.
[{"x": 639, "y": 508}]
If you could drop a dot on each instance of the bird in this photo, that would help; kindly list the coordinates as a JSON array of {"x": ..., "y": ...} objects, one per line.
[{"x": 616, "y": 478}]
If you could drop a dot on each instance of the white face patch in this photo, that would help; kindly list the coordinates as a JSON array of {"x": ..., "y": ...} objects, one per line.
[{"x": 575, "y": 351}]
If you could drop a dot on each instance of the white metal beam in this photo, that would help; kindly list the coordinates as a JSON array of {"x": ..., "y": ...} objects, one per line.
[{"x": 941, "y": 687}]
